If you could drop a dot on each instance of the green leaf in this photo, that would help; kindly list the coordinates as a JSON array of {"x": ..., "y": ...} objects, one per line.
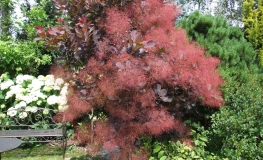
[
  {"x": 160, "y": 154},
  {"x": 192, "y": 154},
  {"x": 203, "y": 139},
  {"x": 163, "y": 158},
  {"x": 196, "y": 142},
  {"x": 1, "y": 95},
  {"x": 157, "y": 149}
]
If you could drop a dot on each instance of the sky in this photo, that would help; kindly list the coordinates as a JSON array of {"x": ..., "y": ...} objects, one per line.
[
  {"x": 17, "y": 9},
  {"x": 17, "y": 16}
]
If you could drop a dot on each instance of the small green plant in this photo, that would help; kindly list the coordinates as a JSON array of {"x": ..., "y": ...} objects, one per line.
[
  {"x": 168, "y": 150},
  {"x": 180, "y": 151}
]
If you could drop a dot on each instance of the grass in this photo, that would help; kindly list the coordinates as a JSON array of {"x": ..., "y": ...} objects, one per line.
[{"x": 43, "y": 152}]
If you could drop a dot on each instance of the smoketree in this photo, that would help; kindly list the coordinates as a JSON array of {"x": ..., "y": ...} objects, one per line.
[{"x": 140, "y": 71}]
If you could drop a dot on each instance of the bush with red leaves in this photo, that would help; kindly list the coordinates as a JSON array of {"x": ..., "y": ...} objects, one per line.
[{"x": 143, "y": 72}]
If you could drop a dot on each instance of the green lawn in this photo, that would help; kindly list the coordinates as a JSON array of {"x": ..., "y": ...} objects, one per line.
[{"x": 43, "y": 153}]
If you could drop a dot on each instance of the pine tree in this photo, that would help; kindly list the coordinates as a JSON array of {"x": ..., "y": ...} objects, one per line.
[{"x": 223, "y": 41}]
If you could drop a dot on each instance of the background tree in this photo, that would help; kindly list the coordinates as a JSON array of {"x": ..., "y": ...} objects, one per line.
[
  {"x": 19, "y": 54},
  {"x": 189, "y": 6},
  {"x": 253, "y": 15},
  {"x": 6, "y": 8},
  {"x": 232, "y": 10},
  {"x": 41, "y": 13}
]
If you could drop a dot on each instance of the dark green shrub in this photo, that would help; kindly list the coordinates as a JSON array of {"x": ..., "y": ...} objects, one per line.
[{"x": 237, "y": 128}]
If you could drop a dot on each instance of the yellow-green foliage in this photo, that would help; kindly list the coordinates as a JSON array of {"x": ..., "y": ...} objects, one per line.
[
  {"x": 22, "y": 58},
  {"x": 253, "y": 21}
]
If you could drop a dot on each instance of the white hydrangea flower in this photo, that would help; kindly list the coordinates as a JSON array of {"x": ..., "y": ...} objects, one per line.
[
  {"x": 23, "y": 104},
  {"x": 6, "y": 84},
  {"x": 62, "y": 100},
  {"x": 50, "y": 76},
  {"x": 34, "y": 98},
  {"x": 28, "y": 109},
  {"x": 22, "y": 115},
  {"x": 9, "y": 94},
  {"x": 45, "y": 111},
  {"x": 19, "y": 79},
  {"x": 39, "y": 94},
  {"x": 34, "y": 109},
  {"x": 27, "y": 99},
  {"x": 17, "y": 106},
  {"x": 47, "y": 88},
  {"x": 36, "y": 84},
  {"x": 64, "y": 90},
  {"x": 59, "y": 82},
  {"x": 16, "y": 88},
  {"x": 52, "y": 99},
  {"x": 57, "y": 88},
  {"x": 27, "y": 77},
  {"x": 11, "y": 112},
  {"x": 62, "y": 108},
  {"x": 33, "y": 95},
  {"x": 49, "y": 80},
  {"x": 19, "y": 97},
  {"x": 41, "y": 77}
]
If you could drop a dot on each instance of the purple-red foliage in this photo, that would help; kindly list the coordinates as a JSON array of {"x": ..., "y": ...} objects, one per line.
[
  {"x": 159, "y": 121},
  {"x": 117, "y": 24},
  {"x": 119, "y": 78},
  {"x": 77, "y": 107}
]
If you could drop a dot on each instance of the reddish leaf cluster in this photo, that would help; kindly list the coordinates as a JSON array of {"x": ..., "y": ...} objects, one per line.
[
  {"x": 74, "y": 36},
  {"x": 135, "y": 72}
]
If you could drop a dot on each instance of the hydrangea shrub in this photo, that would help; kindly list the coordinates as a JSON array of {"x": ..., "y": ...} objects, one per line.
[{"x": 26, "y": 93}]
